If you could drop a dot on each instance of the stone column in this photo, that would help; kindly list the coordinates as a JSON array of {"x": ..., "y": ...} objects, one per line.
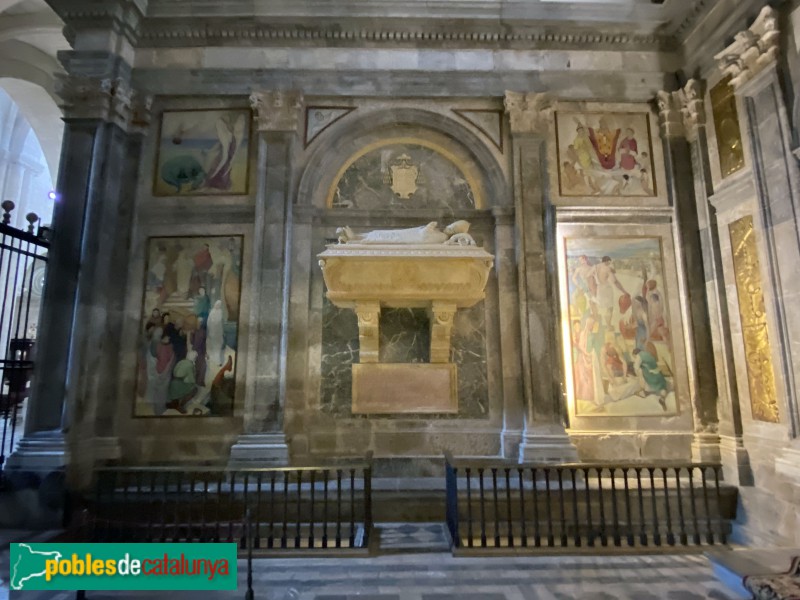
[
  {"x": 680, "y": 117},
  {"x": 264, "y": 442},
  {"x": 80, "y": 320},
  {"x": 691, "y": 123},
  {"x": 545, "y": 437},
  {"x": 752, "y": 63}
]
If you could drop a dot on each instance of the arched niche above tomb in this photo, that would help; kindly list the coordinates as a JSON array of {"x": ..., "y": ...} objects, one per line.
[
  {"x": 348, "y": 166},
  {"x": 406, "y": 172}
]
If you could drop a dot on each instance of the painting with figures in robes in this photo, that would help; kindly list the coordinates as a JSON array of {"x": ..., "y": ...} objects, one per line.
[
  {"x": 203, "y": 152},
  {"x": 619, "y": 327},
  {"x": 188, "y": 338},
  {"x": 605, "y": 154}
]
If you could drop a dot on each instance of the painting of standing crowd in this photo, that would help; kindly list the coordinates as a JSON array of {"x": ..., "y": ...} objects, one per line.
[
  {"x": 189, "y": 328},
  {"x": 621, "y": 343},
  {"x": 605, "y": 154}
]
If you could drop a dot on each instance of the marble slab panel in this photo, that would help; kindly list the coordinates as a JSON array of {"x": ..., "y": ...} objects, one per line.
[
  {"x": 340, "y": 351},
  {"x": 404, "y": 389},
  {"x": 405, "y": 336}
]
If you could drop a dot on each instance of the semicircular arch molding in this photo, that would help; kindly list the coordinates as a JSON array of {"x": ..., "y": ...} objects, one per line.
[
  {"x": 356, "y": 135},
  {"x": 28, "y": 79}
]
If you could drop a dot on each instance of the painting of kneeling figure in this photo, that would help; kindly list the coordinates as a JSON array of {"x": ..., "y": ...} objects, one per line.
[
  {"x": 620, "y": 337},
  {"x": 188, "y": 337}
]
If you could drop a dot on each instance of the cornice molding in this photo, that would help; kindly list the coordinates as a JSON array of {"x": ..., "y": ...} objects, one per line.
[
  {"x": 753, "y": 49},
  {"x": 697, "y": 10},
  {"x": 156, "y": 33},
  {"x": 121, "y": 16}
]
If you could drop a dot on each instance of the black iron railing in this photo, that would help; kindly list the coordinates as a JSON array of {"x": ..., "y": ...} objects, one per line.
[
  {"x": 502, "y": 505},
  {"x": 306, "y": 508},
  {"x": 23, "y": 262}
]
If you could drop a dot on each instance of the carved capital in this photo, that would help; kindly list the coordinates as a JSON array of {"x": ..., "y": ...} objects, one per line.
[
  {"x": 692, "y": 108},
  {"x": 681, "y": 113},
  {"x": 530, "y": 112},
  {"x": 140, "y": 111},
  {"x": 104, "y": 99},
  {"x": 277, "y": 110},
  {"x": 752, "y": 50},
  {"x": 670, "y": 119},
  {"x": 94, "y": 98}
]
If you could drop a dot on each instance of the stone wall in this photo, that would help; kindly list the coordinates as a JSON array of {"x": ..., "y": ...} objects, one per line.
[{"x": 562, "y": 152}]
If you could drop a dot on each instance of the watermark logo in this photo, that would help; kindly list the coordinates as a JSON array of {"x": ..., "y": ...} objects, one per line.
[{"x": 120, "y": 567}]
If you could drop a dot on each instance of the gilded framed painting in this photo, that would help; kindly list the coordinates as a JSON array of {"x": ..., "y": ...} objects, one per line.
[
  {"x": 607, "y": 156},
  {"x": 618, "y": 327},
  {"x": 189, "y": 329},
  {"x": 203, "y": 152}
]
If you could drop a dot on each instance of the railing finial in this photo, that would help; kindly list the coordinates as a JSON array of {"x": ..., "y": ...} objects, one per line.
[
  {"x": 32, "y": 218},
  {"x": 8, "y": 206}
]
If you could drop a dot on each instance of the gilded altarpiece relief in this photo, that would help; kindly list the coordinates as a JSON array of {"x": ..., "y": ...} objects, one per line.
[
  {"x": 726, "y": 125},
  {"x": 752, "y": 312}
]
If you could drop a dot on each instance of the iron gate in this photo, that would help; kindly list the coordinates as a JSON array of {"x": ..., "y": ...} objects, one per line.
[{"x": 23, "y": 266}]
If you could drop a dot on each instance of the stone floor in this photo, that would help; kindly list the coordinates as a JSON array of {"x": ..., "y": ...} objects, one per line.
[{"x": 414, "y": 565}]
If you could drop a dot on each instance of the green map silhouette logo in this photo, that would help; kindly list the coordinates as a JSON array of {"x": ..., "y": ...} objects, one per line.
[{"x": 29, "y": 564}]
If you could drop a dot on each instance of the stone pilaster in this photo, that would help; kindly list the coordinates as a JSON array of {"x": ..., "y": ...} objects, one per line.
[
  {"x": 680, "y": 116},
  {"x": 545, "y": 437},
  {"x": 82, "y": 307},
  {"x": 277, "y": 116},
  {"x": 726, "y": 444},
  {"x": 510, "y": 340},
  {"x": 752, "y": 63}
]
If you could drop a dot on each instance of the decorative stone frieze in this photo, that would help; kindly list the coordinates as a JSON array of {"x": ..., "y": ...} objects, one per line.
[
  {"x": 681, "y": 113},
  {"x": 530, "y": 112},
  {"x": 752, "y": 50},
  {"x": 277, "y": 110},
  {"x": 103, "y": 99}
]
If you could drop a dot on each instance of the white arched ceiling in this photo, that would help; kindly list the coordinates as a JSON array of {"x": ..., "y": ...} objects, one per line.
[
  {"x": 30, "y": 37},
  {"x": 42, "y": 113}
]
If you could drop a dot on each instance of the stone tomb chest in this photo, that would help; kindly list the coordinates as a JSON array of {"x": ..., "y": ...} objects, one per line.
[{"x": 440, "y": 271}]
